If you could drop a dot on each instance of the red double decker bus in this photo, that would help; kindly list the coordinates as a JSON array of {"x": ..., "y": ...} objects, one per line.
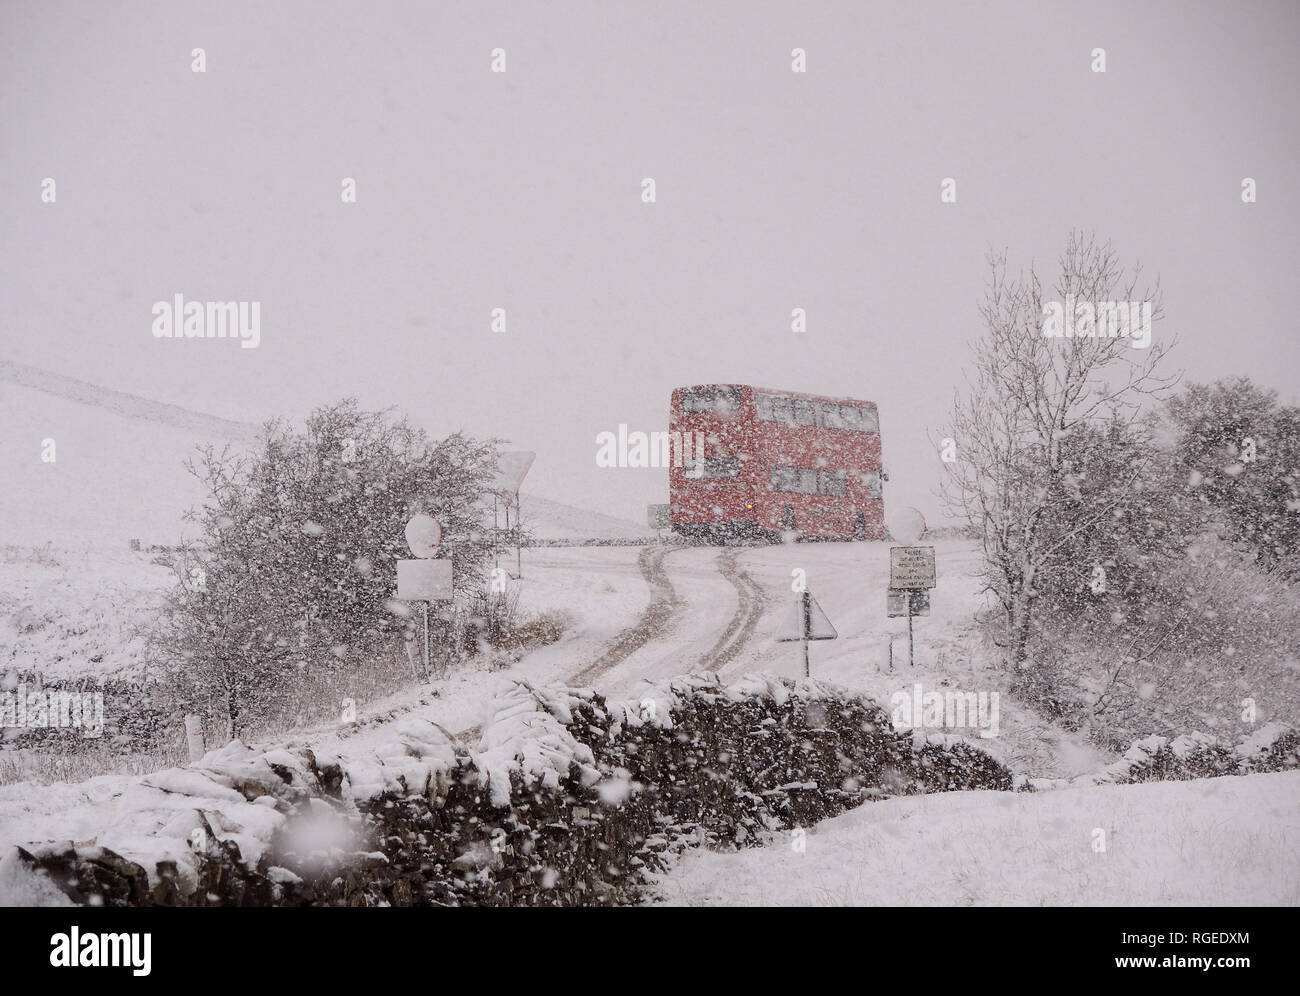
[{"x": 774, "y": 462}]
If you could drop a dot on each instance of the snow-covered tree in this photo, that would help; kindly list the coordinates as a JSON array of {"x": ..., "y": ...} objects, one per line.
[
  {"x": 1240, "y": 452},
  {"x": 295, "y": 574},
  {"x": 1048, "y": 453}
]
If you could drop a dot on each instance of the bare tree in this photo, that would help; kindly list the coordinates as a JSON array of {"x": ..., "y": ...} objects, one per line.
[{"x": 1035, "y": 389}]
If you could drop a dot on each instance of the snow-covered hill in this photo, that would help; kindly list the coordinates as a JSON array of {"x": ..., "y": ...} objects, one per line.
[
  {"x": 119, "y": 468},
  {"x": 552, "y": 520}
]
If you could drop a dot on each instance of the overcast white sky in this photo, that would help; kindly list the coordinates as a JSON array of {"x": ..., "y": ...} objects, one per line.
[{"x": 522, "y": 190}]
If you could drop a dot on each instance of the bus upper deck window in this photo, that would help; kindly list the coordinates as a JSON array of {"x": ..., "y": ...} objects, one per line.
[
  {"x": 805, "y": 413},
  {"x": 870, "y": 420},
  {"x": 785, "y": 479},
  {"x": 712, "y": 400},
  {"x": 833, "y": 416}
]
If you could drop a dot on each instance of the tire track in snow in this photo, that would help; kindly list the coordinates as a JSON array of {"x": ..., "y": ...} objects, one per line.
[
  {"x": 752, "y": 602},
  {"x": 654, "y": 624},
  {"x": 658, "y": 621}
]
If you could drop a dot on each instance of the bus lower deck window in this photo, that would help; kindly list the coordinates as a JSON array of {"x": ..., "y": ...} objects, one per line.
[
  {"x": 831, "y": 482},
  {"x": 712, "y": 469}
]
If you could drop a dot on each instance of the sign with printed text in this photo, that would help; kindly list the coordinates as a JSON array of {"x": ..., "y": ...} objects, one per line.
[
  {"x": 911, "y": 567},
  {"x": 424, "y": 580}
]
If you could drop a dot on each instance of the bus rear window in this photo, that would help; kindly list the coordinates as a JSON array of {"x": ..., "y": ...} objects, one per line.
[
  {"x": 859, "y": 419},
  {"x": 712, "y": 400}
]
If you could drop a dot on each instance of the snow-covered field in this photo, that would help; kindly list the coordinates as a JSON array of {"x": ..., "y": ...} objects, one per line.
[
  {"x": 1214, "y": 842},
  {"x": 69, "y": 612}
]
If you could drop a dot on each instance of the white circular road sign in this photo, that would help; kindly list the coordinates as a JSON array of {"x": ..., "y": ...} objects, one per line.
[{"x": 423, "y": 534}]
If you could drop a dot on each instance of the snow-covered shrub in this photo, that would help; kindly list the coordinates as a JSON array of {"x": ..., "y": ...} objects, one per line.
[
  {"x": 1210, "y": 643},
  {"x": 939, "y": 762},
  {"x": 1178, "y": 612},
  {"x": 1273, "y": 747},
  {"x": 287, "y": 603}
]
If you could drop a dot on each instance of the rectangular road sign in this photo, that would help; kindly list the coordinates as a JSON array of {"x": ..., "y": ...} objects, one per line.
[
  {"x": 659, "y": 516},
  {"x": 911, "y": 567},
  {"x": 424, "y": 580},
  {"x": 896, "y": 602}
]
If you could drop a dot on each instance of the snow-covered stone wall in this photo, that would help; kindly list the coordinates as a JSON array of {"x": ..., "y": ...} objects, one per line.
[{"x": 567, "y": 799}]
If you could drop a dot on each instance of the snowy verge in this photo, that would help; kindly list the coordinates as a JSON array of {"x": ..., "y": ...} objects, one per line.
[{"x": 1205, "y": 842}]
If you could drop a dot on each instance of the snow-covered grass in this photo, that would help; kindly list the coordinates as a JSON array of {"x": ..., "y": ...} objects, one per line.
[
  {"x": 45, "y": 768},
  {"x": 77, "y": 612},
  {"x": 1215, "y": 842},
  {"x": 68, "y": 607},
  {"x": 597, "y": 590},
  {"x": 61, "y": 608}
]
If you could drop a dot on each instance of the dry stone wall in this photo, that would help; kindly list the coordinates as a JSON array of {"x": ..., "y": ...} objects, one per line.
[{"x": 568, "y": 799}]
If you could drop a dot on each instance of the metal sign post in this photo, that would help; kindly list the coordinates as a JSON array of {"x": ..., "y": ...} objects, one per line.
[
  {"x": 804, "y": 626},
  {"x": 426, "y": 639},
  {"x": 512, "y": 468},
  {"x": 911, "y": 574},
  {"x": 911, "y": 646}
]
